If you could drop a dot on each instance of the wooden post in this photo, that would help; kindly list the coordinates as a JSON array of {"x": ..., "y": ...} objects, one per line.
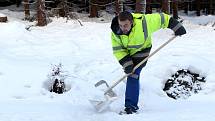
[
  {"x": 175, "y": 9},
  {"x": 41, "y": 16},
  {"x": 27, "y": 9},
  {"x": 198, "y": 7},
  {"x": 148, "y": 6},
  {"x": 93, "y": 8},
  {"x": 165, "y": 6}
]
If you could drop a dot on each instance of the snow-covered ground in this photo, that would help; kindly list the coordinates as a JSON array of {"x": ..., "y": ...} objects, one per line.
[{"x": 85, "y": 52}]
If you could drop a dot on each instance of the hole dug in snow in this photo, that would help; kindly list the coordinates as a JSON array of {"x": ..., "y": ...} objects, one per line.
[
  {"x": 56, "y": 81},
  {"x": 183, "y": 83}
]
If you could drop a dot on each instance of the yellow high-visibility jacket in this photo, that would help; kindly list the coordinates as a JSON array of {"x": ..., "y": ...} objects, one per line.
[{"x": 139, "y": 37}]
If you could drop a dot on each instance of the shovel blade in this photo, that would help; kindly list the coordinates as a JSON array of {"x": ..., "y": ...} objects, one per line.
[
  {"x": 110, "y": 92},
  {"x": 102, "y": 105}
]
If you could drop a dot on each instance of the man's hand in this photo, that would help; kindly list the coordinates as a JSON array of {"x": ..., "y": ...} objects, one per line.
[
  {"x": 129, "y": 69},
  {"x": 177, "y": 27},
  {"x": 180, "y": 31},
  {"x": 127, "y": 64}
]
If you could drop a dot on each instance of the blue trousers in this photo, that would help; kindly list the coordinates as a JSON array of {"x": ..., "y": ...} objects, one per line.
[{"x": 132, "y": 90}]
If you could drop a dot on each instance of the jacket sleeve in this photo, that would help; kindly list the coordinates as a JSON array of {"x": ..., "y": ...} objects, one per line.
[
  {"x": 156, "y": 21},
  {"x": 118, "y": 49},
  {"x": 120, "y": 52}
]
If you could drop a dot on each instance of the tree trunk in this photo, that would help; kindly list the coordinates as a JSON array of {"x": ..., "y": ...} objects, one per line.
[
  {"x": 139, "y": 6},
  {"x": 198, "y": 5},
  {"x": 93, "y": 8},
  {"x": 63, "y": 8},
  {"x": 18, "y": 2},
  {"x": 117, "y": 7},
  {"x": 211, "y": 11},
  {"x": 185, "y": 7},
  {"x": 148, "y": 6},
  {"x": 41, "y": 16},
  {"x": 27, "y": 10},
  {"x": 165, "y": 6},
  {"x": 175, "y": 9}
]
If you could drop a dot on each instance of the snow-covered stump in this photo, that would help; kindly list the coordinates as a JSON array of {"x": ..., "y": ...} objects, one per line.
[
  {"x": 3, "y": 18},
  {"x": 183, "y": 83},
  {"x": 57, "y": 80}
]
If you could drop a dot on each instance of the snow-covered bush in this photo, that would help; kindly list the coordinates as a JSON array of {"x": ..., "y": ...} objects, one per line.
[
  {"x": 56, "y": 81},
  {"x": 183, "y": 83}
]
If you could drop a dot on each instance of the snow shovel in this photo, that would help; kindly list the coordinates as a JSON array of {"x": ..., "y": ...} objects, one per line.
[
  {"x": 110, "y": 96},
  {"x": 110, "y": 93}
]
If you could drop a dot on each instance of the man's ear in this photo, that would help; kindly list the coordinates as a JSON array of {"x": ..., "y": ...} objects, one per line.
[{"x": 131, "y": 21}]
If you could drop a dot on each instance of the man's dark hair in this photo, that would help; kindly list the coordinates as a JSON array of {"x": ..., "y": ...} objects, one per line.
[{"x": 125, "y": 15}]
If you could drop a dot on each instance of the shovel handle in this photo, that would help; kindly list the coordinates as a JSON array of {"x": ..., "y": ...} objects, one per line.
[
  {"x": 143, "y": 61},
  {"x": 116, "y": 83},
  {"x": 138, "y": 65}
]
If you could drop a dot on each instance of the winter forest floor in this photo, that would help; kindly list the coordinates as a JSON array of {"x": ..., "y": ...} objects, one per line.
[{"x": 27, "y": 56}]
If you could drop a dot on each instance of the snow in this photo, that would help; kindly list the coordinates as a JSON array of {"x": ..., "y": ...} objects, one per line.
[
  {"x": 2, "y": 15},
  {"x": 85, "y": 52}
]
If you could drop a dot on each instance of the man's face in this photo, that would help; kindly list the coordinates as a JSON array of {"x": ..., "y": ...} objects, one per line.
[{"x": 125, "y": 26}]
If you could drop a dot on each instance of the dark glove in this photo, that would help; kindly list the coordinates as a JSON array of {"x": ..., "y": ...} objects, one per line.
[
  {"x": 176, "y": 26},
  {"x": 129, "y": 69},
  {"x": 180, "y": 31},
  {"x": 127, "y": 64}
]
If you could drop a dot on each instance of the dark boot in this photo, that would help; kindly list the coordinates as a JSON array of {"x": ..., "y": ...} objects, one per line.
[{"x": 128, "y": 110}]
